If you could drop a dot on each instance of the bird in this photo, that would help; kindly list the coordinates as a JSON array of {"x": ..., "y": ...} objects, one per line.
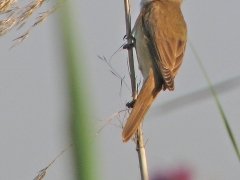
[{"x": 160, "y": 37}]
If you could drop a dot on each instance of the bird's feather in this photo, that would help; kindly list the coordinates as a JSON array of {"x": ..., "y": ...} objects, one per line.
[{"x": 147, "y": 95}]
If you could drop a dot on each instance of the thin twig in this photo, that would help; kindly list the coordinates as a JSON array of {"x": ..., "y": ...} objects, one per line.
[
  {"x": 130, "y": 51},
  {"x": 113, "y": 71},
  {"x": 43, "y": 172},
  {"x": 139, "y": 138}
]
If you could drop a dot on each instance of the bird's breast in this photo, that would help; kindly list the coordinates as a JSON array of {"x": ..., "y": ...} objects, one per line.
[{"x": 143, "y": 54}]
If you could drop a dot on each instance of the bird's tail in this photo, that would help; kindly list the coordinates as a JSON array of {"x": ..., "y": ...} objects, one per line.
[{"x": 145, "y": 98}]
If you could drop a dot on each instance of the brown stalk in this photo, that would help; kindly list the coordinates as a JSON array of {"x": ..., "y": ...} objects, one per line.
[{"x": 139, "y": 136}]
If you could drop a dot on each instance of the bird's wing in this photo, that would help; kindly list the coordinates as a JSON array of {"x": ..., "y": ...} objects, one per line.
[{"x": 167, "y": 39}]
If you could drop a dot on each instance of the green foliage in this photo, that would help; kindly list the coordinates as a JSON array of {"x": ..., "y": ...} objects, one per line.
[
  {"x": 80, "y": 123},
  {"x": 219, "y": 106}
]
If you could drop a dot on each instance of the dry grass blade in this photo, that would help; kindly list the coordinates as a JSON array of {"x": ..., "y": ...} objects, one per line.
[
  {"x": 116, "y": 119},
  {"x": 6, "y": 4},
  {"x": 21, "y": 38},
  {"x": 43, "y": 172},
  {"x": 18, "y": 16},
  {"x": 113, "y": 71},
  {"x": 118, "y": 115},
  {"x": 108, "y": 120}
]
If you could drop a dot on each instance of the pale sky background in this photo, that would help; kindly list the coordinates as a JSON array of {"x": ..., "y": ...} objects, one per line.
[{"x": 34, "y": 96}]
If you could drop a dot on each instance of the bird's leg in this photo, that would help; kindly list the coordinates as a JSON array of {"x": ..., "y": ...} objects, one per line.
[
  {"x": 131, "y": 103},
  {"x": 129, "y": 45}
]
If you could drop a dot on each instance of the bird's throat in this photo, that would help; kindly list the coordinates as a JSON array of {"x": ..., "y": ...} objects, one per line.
[{"x": 143, "y": 2}]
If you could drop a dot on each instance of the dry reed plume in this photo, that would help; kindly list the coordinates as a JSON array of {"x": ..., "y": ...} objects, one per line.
[{"x": 17, "y": 16}]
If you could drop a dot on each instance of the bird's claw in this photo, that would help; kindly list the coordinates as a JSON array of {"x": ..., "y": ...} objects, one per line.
[
  {"x": 129, "y": 45},
  {"x": 131, "y": 103}
]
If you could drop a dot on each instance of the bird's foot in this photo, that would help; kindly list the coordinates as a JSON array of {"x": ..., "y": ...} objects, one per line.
[
  {"x": 129, "y": 37},
  {"x": 131, "y": 103},
  {"x": 129, "y": 45}
]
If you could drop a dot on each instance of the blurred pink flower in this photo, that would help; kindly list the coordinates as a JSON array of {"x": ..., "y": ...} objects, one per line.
[{"x": 180, "y": 173}]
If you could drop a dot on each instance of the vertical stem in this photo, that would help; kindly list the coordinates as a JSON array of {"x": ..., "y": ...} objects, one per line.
[
  {"x": 141, "y": 154},
  {"x": 139, "y": 138},
  {"x": 130, "y": 51}
]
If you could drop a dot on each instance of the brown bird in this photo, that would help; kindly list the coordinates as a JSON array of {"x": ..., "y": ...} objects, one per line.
[{"x": 160, "y": 40}]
